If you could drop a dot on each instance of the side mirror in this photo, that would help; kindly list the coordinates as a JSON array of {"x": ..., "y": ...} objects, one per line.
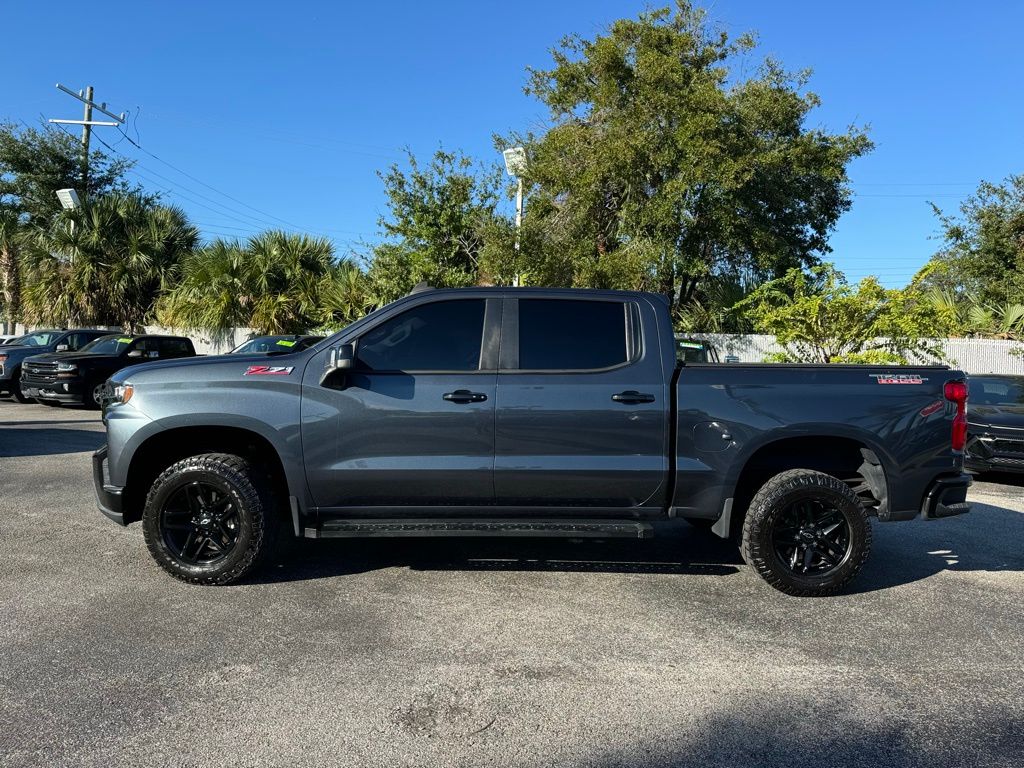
[
  {"x": 135, "y": 353},
  {"x": 339, "y": 358},
  {"x": 62, "y": 348}
]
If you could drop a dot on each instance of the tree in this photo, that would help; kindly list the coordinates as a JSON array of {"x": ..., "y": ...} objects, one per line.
[
  {"x": 820, "y": 318},
  {"x": 272, "y": 284},
  {"x": 982, "y": 256},
  {"x": 663, "y": 167},
  {"x": 105, "y": 262},
  {"x": 434, "y": 230},
  {"x": 11, "y": 235},
  {"x": 34, "y": 164}
]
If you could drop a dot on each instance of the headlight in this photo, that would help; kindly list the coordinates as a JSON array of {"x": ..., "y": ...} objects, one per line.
[
  {"x": 66, "y": 367},
  {"x": 123, "y": 393}
]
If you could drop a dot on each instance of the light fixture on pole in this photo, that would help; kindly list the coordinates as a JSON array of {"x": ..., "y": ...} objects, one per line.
[
  {"x": 69, "y": 199},
  {"x": 515, "y": 165}
]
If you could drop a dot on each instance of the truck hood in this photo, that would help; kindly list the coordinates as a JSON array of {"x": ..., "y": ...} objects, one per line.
[
  {"x": 230, "y": 363},
  {"x": 71, "y": 357},
  {"x": 996, "y": 415},
  {"x": 22, "y": 350}
]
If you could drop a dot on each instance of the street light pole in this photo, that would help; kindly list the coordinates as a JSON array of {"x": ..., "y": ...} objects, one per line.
[{"x": 515, "y": 166}]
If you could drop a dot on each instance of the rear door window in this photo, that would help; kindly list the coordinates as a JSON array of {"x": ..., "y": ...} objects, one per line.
[{"x": 561, "y": 334}]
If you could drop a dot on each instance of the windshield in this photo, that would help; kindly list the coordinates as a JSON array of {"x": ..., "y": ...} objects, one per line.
[
  {"x": 268, "y": 344},
  {"x": 38, "y": 339},
  {"x": 996, "y": 391},
  {"x": 691, "y": 351},
  {"x": 107, "y": 345}
]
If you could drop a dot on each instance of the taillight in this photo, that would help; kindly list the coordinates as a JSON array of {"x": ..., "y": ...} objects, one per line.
[{"x": 956, "y": 392}]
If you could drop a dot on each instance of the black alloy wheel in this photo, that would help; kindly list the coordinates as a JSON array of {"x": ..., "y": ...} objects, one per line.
[
  {"x": 200, "y": 524},
  {"x": 811, "y": 537}
]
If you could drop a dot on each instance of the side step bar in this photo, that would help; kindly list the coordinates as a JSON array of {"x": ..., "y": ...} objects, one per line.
[{"x": 526, "y": 528}]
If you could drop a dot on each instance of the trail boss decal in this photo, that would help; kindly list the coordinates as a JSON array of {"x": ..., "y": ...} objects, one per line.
[
  {"x": 269, "y": 370},
  {"x": 898, "y": 378}
]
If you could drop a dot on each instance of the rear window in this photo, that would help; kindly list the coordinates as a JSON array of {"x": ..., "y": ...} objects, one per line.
[{"x": 557, "y": 334}]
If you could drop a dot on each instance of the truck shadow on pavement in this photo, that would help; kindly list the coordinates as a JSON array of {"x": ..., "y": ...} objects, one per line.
[
  {"x": 47, "y": 441},
  {"x": 987, "y": 539}
]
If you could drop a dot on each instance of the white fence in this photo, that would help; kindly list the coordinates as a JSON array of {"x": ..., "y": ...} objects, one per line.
[{"x": 970, "y": 355}]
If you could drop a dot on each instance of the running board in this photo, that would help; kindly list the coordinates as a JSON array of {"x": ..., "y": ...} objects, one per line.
[{"x": 526, "y": 528}]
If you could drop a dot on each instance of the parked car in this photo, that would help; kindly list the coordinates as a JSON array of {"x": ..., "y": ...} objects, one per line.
[
  {"x": 275, "y": 344},
  {"x": 526, "y": 412},
  {"x": 80, "y": 377},
  {"x": 5, "y": 339},
  {"x": 13, "y": 355},
  {"x": 996, "y": 424}
]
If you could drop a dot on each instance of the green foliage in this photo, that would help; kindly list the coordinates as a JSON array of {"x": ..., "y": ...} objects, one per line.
[
  {"x": 982, "y": 257},
  {"x": 664, "y": 167},
  {"x": 106, "y": 262},
  {"x": 820, "y": 318},
  {"x": 277, "y": 283},
  {"x": 12, "y": 234},
  {"x": 36, "y": 162},
  {"x": 435, "y": 227}
]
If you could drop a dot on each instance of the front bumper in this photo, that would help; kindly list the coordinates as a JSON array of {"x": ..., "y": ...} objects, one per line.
[
  {"x": 990, "y": 452},
  {"x": 108, "y": 497},
  {"x": 62, "y": 391},
  {"x": 947, "y": 497}
]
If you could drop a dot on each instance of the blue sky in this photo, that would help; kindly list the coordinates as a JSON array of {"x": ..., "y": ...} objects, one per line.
[{"x": 291, "y": 108}]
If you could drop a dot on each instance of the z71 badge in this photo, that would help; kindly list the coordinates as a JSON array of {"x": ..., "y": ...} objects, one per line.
[
  {"x": 898, "y": 378},
  {"x": 269, "y": 370}
]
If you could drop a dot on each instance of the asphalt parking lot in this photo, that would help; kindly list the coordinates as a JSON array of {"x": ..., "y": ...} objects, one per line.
[{"x": 494, "y": 653}]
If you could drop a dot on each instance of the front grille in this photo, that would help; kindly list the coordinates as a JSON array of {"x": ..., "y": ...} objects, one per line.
[
  {"x": 43, "y": 369},
  {"x": 1002, "y": 445}
]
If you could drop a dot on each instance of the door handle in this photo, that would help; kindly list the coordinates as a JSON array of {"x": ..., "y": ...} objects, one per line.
[
  {"x": 632, "y": 396},
  {"x": 464, "y": 396}
]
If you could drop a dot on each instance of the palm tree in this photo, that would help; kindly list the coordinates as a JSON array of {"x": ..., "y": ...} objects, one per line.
[
  {"x": 272, "y": 284},
  {"x": 11, "y": 236},
  {"x": 107, "y": 261}
]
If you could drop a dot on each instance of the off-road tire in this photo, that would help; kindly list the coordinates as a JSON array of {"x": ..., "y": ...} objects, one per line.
[
  {"x": 259, "y": 519},
  {"x": 772, "y": 500}
]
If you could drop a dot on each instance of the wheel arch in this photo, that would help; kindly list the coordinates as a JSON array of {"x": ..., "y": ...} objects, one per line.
[
  {"x": 163, "y": 448},
  {"x": 853, "y": 457}
]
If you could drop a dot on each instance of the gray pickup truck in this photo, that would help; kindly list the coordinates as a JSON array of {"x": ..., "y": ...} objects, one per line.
[{"x": 526, "y": 412}]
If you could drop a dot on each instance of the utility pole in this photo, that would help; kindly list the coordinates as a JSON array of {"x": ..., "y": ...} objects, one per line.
[{"x": 87, "y": 123}]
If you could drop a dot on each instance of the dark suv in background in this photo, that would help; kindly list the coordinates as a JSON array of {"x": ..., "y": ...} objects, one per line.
[
  {"x": 15, "y": 352},
  {"x": 80, "y": 377}
]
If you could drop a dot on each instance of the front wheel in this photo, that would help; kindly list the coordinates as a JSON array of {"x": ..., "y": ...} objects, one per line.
[
  {"x": 210, "y": 519},
  {"x": 806, "y": 533},
  {"x": 16, "y": 392}
]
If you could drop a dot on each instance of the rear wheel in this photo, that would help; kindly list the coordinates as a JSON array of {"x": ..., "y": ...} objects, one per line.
[
  {"x": 210, "y": 519},
  {"x": 806, "y": 533}
]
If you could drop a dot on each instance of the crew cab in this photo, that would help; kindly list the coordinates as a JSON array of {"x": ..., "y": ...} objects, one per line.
[
  {"x": 80, "y": 377},
  {"x": 526, "y": 412},
  {"x": 14, "y": 354}
]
